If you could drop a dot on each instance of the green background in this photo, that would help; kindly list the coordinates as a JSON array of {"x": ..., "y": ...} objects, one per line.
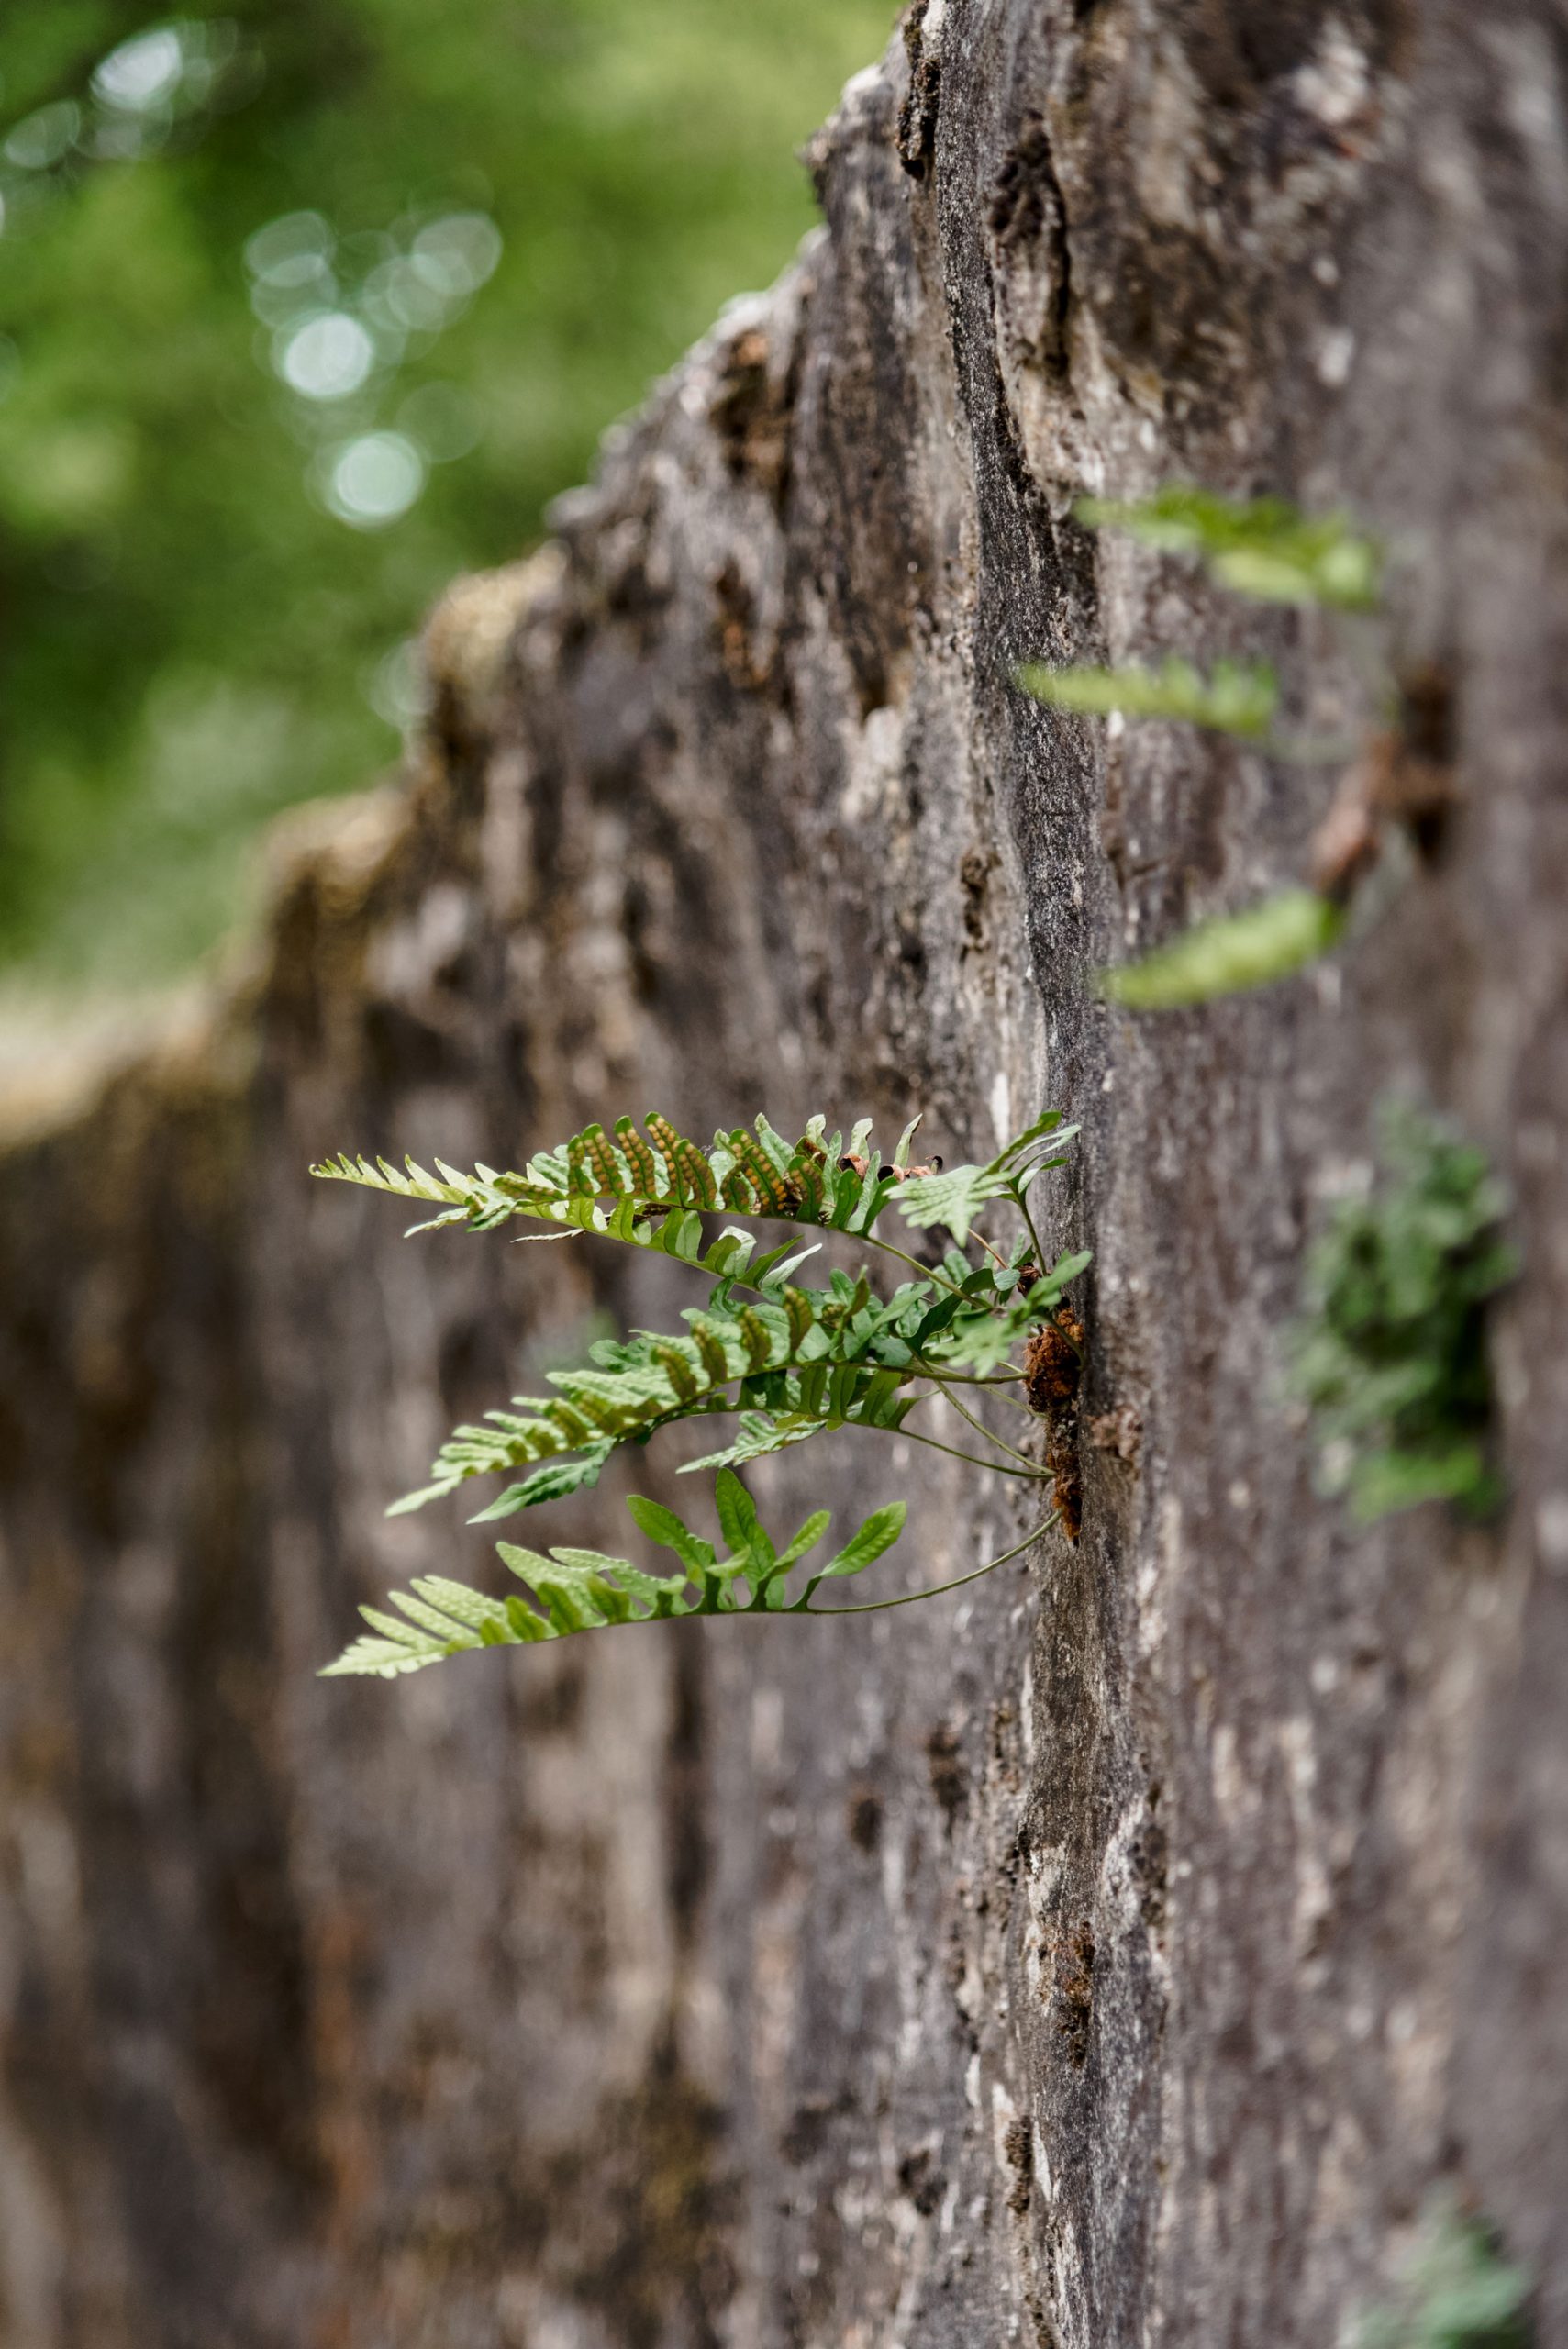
[{"x": 189, "y": 639}]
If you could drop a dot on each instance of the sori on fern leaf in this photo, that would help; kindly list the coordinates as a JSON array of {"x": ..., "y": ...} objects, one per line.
[{"x": 786, "y": 1360}]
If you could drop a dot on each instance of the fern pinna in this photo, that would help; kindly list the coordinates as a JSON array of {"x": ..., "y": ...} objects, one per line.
[{"x": 787, "y": 1360}]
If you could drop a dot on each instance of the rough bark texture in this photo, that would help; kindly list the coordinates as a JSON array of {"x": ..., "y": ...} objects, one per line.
[{"x": 1114, "y": 1954}]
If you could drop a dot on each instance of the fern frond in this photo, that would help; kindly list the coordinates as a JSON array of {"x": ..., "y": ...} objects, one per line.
[
  {"x": 803, "y": 1363},
  {"x": 1230, "y": 954},
  {"x": 790, "y": 1361},
  {"x": 651, "y": 1190},
  {"x": 1238, "y": 698},
  {"x": 830, "y": 1355},
  {"x": 1262, "y": 547},
  {"x": 378, "y": 1176},
  {"x": 468, "y": 1199},
  {"x": 584, "y": 1590}
]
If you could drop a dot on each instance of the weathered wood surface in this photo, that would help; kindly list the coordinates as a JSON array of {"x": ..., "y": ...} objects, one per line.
[{"x": 1114, "y": 1954}]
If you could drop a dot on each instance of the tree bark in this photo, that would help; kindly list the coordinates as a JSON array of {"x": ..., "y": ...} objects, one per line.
[{"x": 1116, "y": 1953}]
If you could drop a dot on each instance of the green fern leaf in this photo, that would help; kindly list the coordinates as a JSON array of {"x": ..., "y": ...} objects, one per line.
[
  {"x": 587, "y": 1590},
  {"x": 1230, "y": 954},
  {"x": 656, "y": 1198},
  {"x": 640, "y": 1158},
  {"x": 379, "y": 1176},
  {"x": 824, "y": 1397},
  {"x": 759, "y": 1435},
  {"x": 951, "y": 1200},
  {"x": 709, "y": 1343},
  {"x": 691, "y": 1177},
  {"x": 452, "y": 1619},
  {"x": 436, "y": 1492},
  {"x": 764, "y": 1340},
  {"x": 876, "y": 1403},
  {"x": 740, "y": 1525},
  {"x": 806, "y": 1538},
  {"x": 677, "y": 1367},
  {"x": 1262, "y": 547},
  {"x": 556, "y": 1481},
  {"x": 1047, "y": 1132},
  {"x": 471, "y": 1611},
  {"x": 576, "y": 1596},
  {"x": 663, "y": 1525},
  {"x": 1236, "y": 699},
  {"x": 386, "y": 1659},
  {"x": 880, "y": 1530},
  {"x": 790, "y": 1362},
  {"x": 772, "y": 1195},
  {"x": 596, "y": 1165}
]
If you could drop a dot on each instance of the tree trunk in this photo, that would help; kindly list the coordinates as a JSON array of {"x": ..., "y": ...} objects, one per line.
[{"x": 1116, "y": 1953}]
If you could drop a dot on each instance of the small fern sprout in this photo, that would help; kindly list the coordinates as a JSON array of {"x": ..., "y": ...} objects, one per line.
[
  {"x": 783, "y": 1361},
  {"x": 1390, "y": 1352},
  {"x": 1457, "y": 2290},
  {"x": 1263, "y": 548},
  {"x": 1230, "y": 954},
  {"x": 1236, "y": 699}
]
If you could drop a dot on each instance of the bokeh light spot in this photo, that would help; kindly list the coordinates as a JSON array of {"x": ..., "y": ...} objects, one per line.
[
  {"x": 41, "y": 139},
  {"x": 142, "y": 72},
  {"x": 374, "y": 479},
  {"x": 396, "y": 688},
  {"x": 397, "y": 294},
  {"x": 288, "y": 250},
  {"x": 328, "y": 358},
  {"x": 456, "y": 254}
]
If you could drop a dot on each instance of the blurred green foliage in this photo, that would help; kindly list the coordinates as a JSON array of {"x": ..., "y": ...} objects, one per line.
[
  {"x": 1457, "y": 2292},
  {"x": 1391, "y": 1352},
  {"x": 497, "y": 222}
]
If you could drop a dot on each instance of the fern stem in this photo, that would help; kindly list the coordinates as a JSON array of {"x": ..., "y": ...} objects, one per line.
[
  {"x": 975, "y": 1460},
  {"x": 967, "y": 1378},
  {"x": 927, "y": 1272},
  {"x": 876, "y": 1606},
  {"x": 981, "y": 1429},
  {"x": 1021, "y": 1195}
]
